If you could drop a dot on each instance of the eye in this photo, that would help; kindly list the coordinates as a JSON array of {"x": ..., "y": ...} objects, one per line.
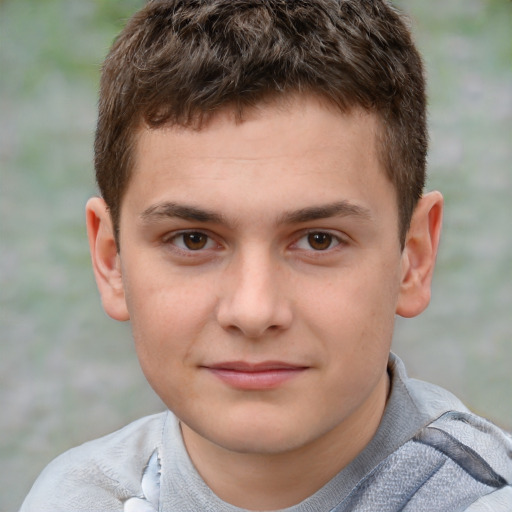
[
  {"x": 318, "y": 241},
  {"x": 192, "y": 241}
]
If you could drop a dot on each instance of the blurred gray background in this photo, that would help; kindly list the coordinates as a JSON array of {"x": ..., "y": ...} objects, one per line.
[{"x": 69, "y": 374}]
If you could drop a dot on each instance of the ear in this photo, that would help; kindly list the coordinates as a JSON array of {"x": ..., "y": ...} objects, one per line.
[
  {"x": 106, "y": 262},
  {"x": 419, "y": 255}
]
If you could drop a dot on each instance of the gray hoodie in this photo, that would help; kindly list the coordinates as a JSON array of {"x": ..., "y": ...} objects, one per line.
[{"x": 429, "y": 454}]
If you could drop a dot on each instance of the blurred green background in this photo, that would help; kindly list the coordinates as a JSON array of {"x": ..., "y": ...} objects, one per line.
[{"x": 69, "y": 374}]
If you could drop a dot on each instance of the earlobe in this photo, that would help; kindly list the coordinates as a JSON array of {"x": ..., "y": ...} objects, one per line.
[
  {"x": 419, "y": 255},
  {"x": 105, "y": 259}
]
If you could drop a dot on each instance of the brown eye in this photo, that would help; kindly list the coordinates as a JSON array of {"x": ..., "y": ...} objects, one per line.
[
  {"x": 195, "y": 241},
  {"x": 320, "y": 241}
]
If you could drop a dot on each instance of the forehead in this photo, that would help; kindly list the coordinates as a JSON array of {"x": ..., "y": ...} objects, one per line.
[
  {"x": 278, "y": 127},
  {"x": 304, "y": 146}
]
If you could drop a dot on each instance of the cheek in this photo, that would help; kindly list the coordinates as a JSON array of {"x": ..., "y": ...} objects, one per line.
[
  {"x": 353, "y": 317},
  {"x": 357, "y": 298},
  {"x": 167, "y": 317},
  {"x": 167, "y": 332}
]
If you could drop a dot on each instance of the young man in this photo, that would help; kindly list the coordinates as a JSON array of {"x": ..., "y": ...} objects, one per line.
[{"x": 262, "y": 221}]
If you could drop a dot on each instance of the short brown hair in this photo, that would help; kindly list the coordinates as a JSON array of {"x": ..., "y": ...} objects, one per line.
[{"x": 180, "y": 61}]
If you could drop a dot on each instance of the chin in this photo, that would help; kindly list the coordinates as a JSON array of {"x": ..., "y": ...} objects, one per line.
[
  {"x": 261, "y": 437},
  {"x": 262, "y": 444}
]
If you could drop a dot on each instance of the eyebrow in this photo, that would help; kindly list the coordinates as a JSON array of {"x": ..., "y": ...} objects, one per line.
[
  {"x": 180, "y": 211},
  {"x": 338, "y": 209},
  {"x": 192, "y": 213}
]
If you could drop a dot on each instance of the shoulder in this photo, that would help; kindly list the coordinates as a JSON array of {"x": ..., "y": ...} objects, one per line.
[
  {"x": 451, "y": 428},
  {"x": 478, "y": 446},
  {"x": 476, "y": 453},
  {"x": 100, "y": 474},
  {"x": 445, "y": 457},
  {"x": 457, "y": 462}
]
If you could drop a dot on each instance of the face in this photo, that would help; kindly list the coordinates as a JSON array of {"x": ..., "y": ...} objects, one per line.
[{"x": 260, "y": 268}]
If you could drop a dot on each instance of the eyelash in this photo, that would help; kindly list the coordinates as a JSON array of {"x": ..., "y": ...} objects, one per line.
[
  {"x": 174, "y": 237},
  {"x": 334, "y": 241}
]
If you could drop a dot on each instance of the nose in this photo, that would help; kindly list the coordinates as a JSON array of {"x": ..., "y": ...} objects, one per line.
[{"x": 253, "y": 301}]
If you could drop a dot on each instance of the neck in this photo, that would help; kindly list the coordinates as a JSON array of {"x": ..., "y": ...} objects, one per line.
[{"x": 275, "y": 481}]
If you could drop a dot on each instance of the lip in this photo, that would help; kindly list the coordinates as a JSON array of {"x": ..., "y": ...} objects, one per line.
[{"x": 255, "y": 376}]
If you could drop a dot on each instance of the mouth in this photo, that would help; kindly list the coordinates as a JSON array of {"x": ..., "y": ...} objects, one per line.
[{"x": 255, "y": 376}]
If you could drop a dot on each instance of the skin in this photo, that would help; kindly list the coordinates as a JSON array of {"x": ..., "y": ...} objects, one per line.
[{"x": 294, "y": 258}]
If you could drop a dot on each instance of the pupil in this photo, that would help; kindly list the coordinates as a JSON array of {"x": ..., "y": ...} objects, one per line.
[
  {"x": 194, "y": 241},
  {"x": 320, "y": 241}
]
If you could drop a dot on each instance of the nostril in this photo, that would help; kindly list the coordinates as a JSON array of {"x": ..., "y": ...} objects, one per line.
[{"x": 233, "y": 329}]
